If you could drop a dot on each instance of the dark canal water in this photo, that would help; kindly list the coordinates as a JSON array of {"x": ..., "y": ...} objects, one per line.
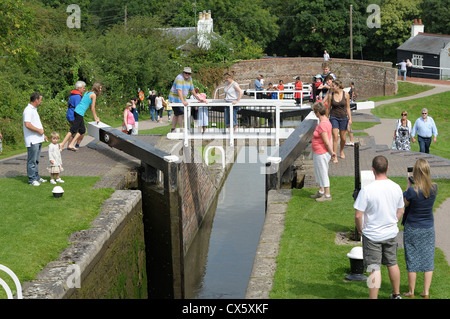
[{"x": 219, "y": 262}]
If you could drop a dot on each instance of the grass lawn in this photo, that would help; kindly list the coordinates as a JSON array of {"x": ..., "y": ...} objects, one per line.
[
  {"x": 35, "y": 226},
  {"x": 311, "y": 266},
  {"x": 437, "y": 106},
  {"x": 404, "y": 89}
]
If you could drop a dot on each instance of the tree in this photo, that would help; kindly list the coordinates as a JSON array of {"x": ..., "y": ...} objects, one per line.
[
  {"x": 436, "y": 16},
  {"x": 16, "y": 29},
  {"x": 397, "y": 17},
  {"x": 309, "y": 27}
]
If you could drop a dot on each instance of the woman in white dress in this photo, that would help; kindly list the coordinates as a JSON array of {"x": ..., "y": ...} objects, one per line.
[{"x": 402, "y": 133}]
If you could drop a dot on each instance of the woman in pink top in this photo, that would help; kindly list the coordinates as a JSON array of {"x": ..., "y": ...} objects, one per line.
[
  {"x": 128, "y": 119},
  {"x": 322, "y": 152}
]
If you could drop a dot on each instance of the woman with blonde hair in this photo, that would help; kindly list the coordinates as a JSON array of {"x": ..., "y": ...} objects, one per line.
[
  {"x": 340, "y": 116},
  {"x": 418, "y": 221}
]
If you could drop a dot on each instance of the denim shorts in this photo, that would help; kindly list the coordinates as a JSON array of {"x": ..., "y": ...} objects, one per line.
[{"x": 339, "y": 123}]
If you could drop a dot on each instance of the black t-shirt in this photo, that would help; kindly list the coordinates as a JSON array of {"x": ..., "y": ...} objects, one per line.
[{"x": 152, "y": 99}]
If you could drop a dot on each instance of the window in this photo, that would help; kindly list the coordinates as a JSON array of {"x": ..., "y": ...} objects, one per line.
[{"x": 417, "y": 61}]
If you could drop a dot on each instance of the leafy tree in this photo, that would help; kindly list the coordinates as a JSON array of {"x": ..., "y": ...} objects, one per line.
[
  {"x": 436, "y": 16},
  {"x": 397, "y": 17},
  {"x": 309, "y": 27},
  {"x": 16, "y": 29}
]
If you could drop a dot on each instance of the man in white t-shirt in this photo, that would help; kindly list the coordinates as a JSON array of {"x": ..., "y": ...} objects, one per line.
[
  {"x": 378, "y": 208},
  {"x": 33, "y": 132}
]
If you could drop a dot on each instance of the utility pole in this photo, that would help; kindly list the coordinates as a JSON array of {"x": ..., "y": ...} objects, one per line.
[{"x": 351, "y": 32}]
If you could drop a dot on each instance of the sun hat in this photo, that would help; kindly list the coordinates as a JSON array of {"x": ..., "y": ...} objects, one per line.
[{"x": 187, "y": 70}]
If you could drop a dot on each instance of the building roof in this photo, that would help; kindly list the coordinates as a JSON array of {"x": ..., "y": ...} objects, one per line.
[
  {"x": 181, "y": 33},
  {"x": 426, "y": 43}
]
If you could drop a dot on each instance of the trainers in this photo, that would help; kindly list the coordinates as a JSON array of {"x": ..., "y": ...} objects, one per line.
[
  {"x": 317, "y": 195},
  {"x": 52, "y": 181},
  {"x": 395, "y": 296},
  {"x": 323, "y": 199},
  {"x": 350, "y": 144},
  {"x": 35, "y": 183},
  {"x": 41, "y": 180},
  {"x": 59, "y": 180}
]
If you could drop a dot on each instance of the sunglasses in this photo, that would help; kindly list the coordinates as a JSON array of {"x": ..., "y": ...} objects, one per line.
[
  {"x": 424, "y": 113},
  {"x": 404, "y": 114}
]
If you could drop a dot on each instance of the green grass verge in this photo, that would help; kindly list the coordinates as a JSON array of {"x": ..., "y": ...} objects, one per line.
[
  {"x": 404, "y": 89},
  {"x": 437, "y": 106},
  {"x": 311, "y": 266},
  {"x": 36, "y": 226}
]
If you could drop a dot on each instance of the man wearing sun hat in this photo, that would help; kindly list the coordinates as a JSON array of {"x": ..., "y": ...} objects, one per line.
[{"x": 178, "y": 94}]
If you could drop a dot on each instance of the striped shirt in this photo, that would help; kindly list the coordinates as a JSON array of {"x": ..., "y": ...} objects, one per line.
[{"x": 180, "y": 83}]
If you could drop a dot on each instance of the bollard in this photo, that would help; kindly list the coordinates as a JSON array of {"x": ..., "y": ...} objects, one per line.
[{"x": 356, "y": 265}]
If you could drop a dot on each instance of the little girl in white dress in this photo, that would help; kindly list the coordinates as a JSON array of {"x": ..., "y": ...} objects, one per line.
[{"x": 54, "y": 157}]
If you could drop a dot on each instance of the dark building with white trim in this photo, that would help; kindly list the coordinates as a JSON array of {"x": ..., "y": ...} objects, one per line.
[{"x": 429, "y": 53}]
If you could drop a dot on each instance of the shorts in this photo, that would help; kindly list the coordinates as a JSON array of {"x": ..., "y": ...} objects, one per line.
[
  {"x": 380, "y": 253},
  {"x": 78, "y": 125},
  {"x": 339, "y": 123},
  {"x": 178, "y": 110}
]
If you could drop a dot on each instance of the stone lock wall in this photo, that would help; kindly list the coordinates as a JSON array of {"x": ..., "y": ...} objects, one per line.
[
  {"x": 106, "y": 261},
  {"x": 370, "y": 78},
  {"x": 199, "y": 186}
]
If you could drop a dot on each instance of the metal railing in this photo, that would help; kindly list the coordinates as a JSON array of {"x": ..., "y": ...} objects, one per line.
[
  {"x": 256, "y": 119},
  {"x": 287, "y": 94},
  {"x": 443, "y": 73}
]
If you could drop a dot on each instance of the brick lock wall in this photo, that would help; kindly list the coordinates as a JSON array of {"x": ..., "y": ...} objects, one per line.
[
  {"x": 197, "y": 193},
  {"x": 371, "y": 78}
]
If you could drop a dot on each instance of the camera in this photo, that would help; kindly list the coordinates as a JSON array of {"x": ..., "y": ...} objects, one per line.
[{"x": 410, "y": 178}]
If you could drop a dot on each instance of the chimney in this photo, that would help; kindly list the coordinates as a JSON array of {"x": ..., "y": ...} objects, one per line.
[
  {"x": 417, "y": 28},
  {"x": 204, "y": 29}
]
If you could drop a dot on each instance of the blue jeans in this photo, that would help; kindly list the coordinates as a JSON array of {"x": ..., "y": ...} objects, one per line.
[
  {"x": 227, "y": 115},
  {"x": 424, "y": 144},
  {"x": 34, "y": 154},
  {"x": 404, "y": 74},
  {"x": 152, "y": 113}
]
